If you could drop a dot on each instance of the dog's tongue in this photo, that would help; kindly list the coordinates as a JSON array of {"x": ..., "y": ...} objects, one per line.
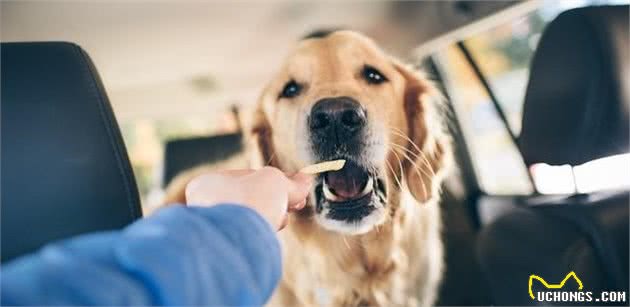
[{"x": 347, "y": 182}]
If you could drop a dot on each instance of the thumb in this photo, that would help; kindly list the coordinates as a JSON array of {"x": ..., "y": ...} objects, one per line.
[{"x": 299, "y": 188}]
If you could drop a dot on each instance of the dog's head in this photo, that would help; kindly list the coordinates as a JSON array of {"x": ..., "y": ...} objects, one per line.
[{"x": 338, "y": 96}]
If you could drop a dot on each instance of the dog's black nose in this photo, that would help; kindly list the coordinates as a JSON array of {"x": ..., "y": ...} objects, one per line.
[{"x": 339, "y": 117}]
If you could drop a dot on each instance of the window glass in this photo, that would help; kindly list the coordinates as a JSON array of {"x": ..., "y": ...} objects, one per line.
[
  {"x": 504, "y": 54},
  {"x": 496, "y": 161},
  {"x": 145, "y": 139}
]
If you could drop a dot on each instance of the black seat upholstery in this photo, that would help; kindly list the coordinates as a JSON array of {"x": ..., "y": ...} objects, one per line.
[
  {"x": 586, "y": 233},
  {"x": 577, "y": 100},
  {"x": 184, "y": 154},
  {"x": 65, "y": 170},
  {"x": 576, "y": 110}
]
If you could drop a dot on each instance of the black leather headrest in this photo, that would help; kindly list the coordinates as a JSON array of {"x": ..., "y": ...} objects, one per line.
[
  {"x": 65, "y": 170},
  {"x": 576, "y": 105},
  {"x": 184, "y": 154}
]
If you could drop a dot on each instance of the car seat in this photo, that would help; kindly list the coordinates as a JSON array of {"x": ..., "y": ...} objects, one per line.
[
  {"x": 65, "y": 170},
  {"x": 575, "y": 110}
]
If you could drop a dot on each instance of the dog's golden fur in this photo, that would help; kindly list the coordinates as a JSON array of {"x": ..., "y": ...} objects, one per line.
[{"x": 398, "y": 262}]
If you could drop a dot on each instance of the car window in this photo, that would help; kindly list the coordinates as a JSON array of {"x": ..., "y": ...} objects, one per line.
[
  {"x": 503, "y": 54},
  {"x": 496, "y": 161},
  {"x": 145, "y": 139}
]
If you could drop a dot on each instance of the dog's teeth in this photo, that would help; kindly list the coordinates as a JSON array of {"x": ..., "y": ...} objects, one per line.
[
  {"x": 328, "y": 194},
  {"x": 369, "y": 186}
]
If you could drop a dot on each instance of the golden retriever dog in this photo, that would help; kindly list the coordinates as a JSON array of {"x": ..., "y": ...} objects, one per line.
[{"x": 370, "y": 232}]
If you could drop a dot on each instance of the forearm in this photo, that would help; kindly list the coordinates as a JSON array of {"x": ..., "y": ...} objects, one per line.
[{"x": 224, "y": 255}]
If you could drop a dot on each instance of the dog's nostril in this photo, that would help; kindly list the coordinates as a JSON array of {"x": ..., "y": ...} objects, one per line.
[
  {"x": 337, "y": 116},
  {"x": 319, "y": 121},
  {"x": 353, "y": 118}
]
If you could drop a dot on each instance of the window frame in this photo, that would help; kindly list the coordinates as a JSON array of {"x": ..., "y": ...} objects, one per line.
[
  {"x": 447, "y": 86},
  {"x": 463, "y": 157},
  {"x": 498, "y": 109}
]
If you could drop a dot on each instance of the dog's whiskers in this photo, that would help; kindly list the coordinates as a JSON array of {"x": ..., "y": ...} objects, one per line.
[
  {"x": 393, "y": 173},
  {"x": 420, "y": 154},
  {"x": 431, "y": 172},
  {"x": 346, "y": 242},
  {"x": 402, "y": 170},
  {"x": 415, "y": 167},
  {"x": 419, "y": 170},
  {"x": 273, "y": 155},
  {"x": 406, "y": 137}
]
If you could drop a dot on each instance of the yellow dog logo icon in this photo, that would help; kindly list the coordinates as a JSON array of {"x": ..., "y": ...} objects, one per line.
[{"x": 553, "y": 286}]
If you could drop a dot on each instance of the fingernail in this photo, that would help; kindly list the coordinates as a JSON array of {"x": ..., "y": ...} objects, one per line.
[
  {"x": 284, "y": 223},
  {"x": 301, "y": 205}
]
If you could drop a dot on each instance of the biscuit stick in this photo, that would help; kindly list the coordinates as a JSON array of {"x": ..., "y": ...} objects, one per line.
[{"x": 321, "y": 167}]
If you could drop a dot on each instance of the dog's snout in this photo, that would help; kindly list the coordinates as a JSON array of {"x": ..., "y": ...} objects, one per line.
[
  {"x": 339, "y": 116},
  {"x": 337, "y": 126}
]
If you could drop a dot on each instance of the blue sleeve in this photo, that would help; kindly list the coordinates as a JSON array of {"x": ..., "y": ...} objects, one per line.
[{"x": 225, "y": 255}]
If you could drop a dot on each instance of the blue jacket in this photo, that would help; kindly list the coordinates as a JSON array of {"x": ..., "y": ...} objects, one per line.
[{"x": 224, "y": 255}]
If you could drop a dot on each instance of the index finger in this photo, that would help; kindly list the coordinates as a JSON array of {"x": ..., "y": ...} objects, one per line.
[{"x": 299, "y": 188}]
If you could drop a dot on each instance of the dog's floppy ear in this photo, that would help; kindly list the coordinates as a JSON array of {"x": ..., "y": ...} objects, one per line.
[
  {"x": 427, "y": 146},
  {"x": 261, "y": 139}
]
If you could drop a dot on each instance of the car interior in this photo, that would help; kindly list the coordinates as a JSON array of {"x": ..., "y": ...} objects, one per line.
[
  {"x": 537, "y": 96},
  {"x": 585, "y": 232},
  {"x": 51, "y": 91}
]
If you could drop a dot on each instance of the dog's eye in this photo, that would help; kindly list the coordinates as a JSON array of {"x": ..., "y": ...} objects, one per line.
[
  {"x": 291, "y": 89},
  {"x": 372, "y": 75}
]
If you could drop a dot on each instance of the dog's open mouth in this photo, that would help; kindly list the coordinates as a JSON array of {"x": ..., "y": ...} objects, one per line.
[{"x": 349, "y": 194}]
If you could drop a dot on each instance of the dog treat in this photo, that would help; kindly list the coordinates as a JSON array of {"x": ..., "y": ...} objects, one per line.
[{"x": 321, "y": 167}]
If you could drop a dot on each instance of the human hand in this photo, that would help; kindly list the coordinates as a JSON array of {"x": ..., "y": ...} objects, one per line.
[{"x": 268, "y": 191}]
